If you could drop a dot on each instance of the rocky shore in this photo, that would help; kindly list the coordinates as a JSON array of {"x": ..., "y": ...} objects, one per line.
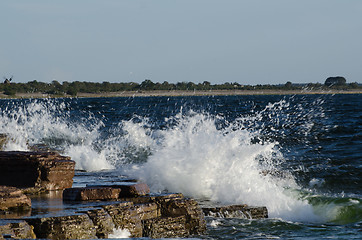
[{"x": 96, "y": 210}]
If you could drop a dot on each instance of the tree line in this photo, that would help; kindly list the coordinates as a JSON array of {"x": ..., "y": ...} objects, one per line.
[{"x": 73, "y": 88}]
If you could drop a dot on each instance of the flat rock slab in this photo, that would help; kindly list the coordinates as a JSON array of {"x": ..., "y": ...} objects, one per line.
[
  {"x": 237, "y": 211},
  {"x": 129, "y": 189},
  {"x": 91, "y": 193},
  {"x": 42, "y": 170},
  {"x": 12, "y": 198}
]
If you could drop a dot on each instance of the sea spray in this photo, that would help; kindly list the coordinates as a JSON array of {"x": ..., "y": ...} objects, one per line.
[
  {"x": 51, "y": 122},
  {"x": 223, "y": 165},
  {"x": 120, "y": 233}
]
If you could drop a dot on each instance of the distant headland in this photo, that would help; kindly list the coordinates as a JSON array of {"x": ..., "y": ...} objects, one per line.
[{"x": 35, "y": 89}]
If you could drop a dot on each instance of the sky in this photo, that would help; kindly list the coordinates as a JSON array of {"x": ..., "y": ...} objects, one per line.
[{"x": 245, "y": 41}]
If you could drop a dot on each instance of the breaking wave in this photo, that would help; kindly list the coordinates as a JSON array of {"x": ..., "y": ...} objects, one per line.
[{"x": 206, "y": 156}]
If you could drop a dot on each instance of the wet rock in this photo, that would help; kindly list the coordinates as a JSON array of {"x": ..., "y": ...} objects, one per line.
[
  {"x": 102, "y": 221},
  {"x": 3, "y": 140},
  {"x": 16, "y": 229},
  {"x": 124, "y": 216},
  {"x": 37, "y": 170},
  {"x": 129, "y": 189},
  {"x": 195, "y": 219},
  {"x": 13, "y": 199},
  {"x": 174, "y": 205},
  {"x": 147, "y": 210},
  {"x": 78, "y": 226},
  {"x": 165, "y": 227},
  {"x": 157, "y": 198},
  {"x": 134, "y": 189},
  {"x": 237, "y": 211},
  {"x": 91, "y": 193}
]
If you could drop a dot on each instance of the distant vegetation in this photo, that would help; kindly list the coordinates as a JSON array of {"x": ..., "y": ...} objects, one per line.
[{"x": 73, "y": 88}]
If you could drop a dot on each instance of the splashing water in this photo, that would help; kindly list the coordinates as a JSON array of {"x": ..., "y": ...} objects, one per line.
[
  {"x": 50, "y": 122},
  {"x": 222, "y": 165},
  {"x": 120, "y": 233},
  {"x": 201, "y": 155}
]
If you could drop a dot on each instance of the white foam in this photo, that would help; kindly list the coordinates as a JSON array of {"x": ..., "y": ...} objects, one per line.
[
  {"x": 120, "y": 233},
  {"x": 49, "y": 121},
  {"x": 215, "y": 223},
  {"x": 87, "y": 158},
  {"x": 201, "y": 161}
]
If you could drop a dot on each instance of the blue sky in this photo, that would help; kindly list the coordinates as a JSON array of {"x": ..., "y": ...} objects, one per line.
[{"x": 244, "y": 41}]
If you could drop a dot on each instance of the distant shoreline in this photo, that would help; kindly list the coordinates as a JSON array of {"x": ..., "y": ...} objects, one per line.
[{"x": 177, "y": 93}]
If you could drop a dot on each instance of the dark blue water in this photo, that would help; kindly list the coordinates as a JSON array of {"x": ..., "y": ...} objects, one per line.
[{"x": 310, "y": 146}]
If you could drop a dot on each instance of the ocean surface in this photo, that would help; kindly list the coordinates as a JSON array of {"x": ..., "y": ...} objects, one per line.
[{"x": 300, "y": 156}]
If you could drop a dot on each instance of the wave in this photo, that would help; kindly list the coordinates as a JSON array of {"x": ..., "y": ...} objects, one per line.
[{"x": 202, "y": 155}]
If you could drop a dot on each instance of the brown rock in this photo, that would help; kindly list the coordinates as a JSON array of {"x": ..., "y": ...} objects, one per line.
[
  {"x": 165, "y": 227},
  {"x": 237, "y": 211},
  {"x": 91, "y": 193},
  {"x": 136, "y": 189},
  {"x": 42, "y": 170},
  {"x": 3, "y": 140},
  {"x": 102, "y": 221},
  {"x": 195, "y": 222},
  {"x": 173, "y": 205},
  {"x": 12, "y": 198},
  {"x": 124, "y": 216},
  {"x": 129, "y": 189},
  {"x": 16, "y": 230},
  {"x": 147, "y": 210},
  {"x": 78, "y": 226}
]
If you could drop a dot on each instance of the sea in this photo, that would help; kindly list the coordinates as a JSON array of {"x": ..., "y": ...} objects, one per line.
[{"x": 298, "y": 155}]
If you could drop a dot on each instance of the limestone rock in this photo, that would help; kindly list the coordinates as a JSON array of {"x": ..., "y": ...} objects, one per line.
[
  {"x": 16, "y": 229},
  {"x": 134, "y": 189},
  {"x": 124, "y": 216},
  {"x": 102, "y": 221},
  {"x": 165, "y": 227},
  {"x": 3, "y": 140},
  {"x": 42, "y": 170},
  {"x": 91, "y": 193},
  {"x": 12, "y": 198},
  {"x": 237, "y": 211},
  {"x": 78, "y": 226},
  {"x": 170, "y": 206},
  {"x": 129, "y": 189},
  {"x": 195, "y": 221}
]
